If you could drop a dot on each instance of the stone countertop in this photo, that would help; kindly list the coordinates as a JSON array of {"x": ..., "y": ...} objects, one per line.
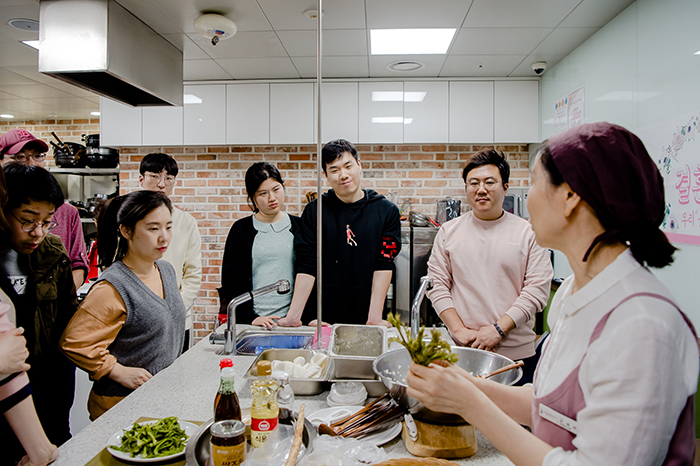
[{"x": 187, "y": 389}]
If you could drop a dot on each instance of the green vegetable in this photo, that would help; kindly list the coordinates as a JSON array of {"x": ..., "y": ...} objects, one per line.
[
  {"x": 156, "y": 440},
  {"x": 421, "y": 353}
]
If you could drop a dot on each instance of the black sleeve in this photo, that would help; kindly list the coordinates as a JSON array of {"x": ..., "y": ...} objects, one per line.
[
  {"x": 237, "y": 268},
  {"x": 305, "y": 241},
  {"x": 391, "y": 238}
]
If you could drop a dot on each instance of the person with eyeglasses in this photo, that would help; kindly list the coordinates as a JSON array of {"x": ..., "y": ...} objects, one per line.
[
  {"x": 158, "y": 172},
  {"x": 489, "y": 275},
  {"x": 36, "y": 275},
  {"x": 21, "y": 146}
]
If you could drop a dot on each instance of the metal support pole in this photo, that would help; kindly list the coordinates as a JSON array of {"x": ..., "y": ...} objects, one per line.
[{"x": 319, "y": 183}]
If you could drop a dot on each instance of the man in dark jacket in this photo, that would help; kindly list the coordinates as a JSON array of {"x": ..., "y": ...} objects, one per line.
[
  {"x": 35, "y": 272},
  {"x": 361, "y": 237}
]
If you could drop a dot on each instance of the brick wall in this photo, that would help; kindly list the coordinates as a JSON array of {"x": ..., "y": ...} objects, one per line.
[{"x": 210, "y": 184}]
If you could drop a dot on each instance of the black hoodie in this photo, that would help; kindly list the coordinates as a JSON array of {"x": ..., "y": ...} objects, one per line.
[{"x": 358, "y": 239}]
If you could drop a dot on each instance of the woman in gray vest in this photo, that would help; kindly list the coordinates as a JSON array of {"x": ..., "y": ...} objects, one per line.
[{"x": 132, "y": 322}]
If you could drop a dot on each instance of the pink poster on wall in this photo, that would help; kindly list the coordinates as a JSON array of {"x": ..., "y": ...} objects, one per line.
[{"x": 674, "y": 145}]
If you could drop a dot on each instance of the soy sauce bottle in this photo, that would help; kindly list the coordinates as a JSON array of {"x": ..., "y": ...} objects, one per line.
[{"x": 226, "y": 405}]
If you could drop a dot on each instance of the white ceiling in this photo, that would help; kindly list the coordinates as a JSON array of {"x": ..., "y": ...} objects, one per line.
[{"x": 495, "y": 38}]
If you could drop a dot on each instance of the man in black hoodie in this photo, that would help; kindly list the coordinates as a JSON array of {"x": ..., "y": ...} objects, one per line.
[{"x": 361, "y": 237}]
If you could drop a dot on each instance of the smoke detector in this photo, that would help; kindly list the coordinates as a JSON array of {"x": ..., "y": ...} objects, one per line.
[{"x": 215, "y": 27}]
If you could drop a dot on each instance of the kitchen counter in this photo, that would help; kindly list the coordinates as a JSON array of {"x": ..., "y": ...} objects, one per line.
[{"x": 187, "y": 388}]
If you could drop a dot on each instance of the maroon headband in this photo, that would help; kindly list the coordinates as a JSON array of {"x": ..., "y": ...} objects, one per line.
[{"x": 611, "y": 170}]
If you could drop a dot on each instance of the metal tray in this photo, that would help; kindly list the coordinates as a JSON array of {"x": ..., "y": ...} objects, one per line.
[
  {"x": 346, "y": 341},
  {"x": 300, "y": 386}
]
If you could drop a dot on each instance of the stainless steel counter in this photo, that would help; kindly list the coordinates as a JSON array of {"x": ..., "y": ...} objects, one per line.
[{"x": 187, "y": 388}]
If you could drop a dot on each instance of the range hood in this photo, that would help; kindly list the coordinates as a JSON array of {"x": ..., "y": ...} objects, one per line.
[{"x": 101, "y": 47}]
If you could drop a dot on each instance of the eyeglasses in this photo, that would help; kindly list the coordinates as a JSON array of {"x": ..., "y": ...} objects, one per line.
[
  {"x": 20, "y": 157},
  {"x": 169, "y": 179},
  {"x": 30, "y": 225},
  {"x": 489, "y": 184}
]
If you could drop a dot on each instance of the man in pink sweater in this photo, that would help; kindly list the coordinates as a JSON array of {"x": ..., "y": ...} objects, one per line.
[{"x": 489, "y": 275}]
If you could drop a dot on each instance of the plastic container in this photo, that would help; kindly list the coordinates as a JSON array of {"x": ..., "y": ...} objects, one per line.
[{"x": 347, "y": 394}]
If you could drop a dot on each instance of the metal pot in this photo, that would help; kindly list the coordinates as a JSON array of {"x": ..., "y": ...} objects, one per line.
[
  {"x": 103, "y": 157},
  {"x": 69, "y": 155},
  {"x": 91, "y": 140},
  {"x": 392, "y": 367}
]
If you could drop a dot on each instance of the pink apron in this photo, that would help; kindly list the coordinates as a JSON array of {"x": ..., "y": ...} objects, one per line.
[{"x": 567, "y": 400}]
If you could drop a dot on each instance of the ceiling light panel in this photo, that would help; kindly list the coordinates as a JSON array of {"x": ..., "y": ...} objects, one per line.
[{"x": 411, "y": 41}]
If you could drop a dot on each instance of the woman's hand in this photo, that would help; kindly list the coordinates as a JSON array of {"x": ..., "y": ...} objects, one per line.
[
  {"x": 266, "y": 321},
  {"x": 463, "y": 336},
  {"x": 382, "y": 322},
  {"x": 46, "y": 458},
  {"x": 314, "y": 323},
  {"x": 442, "y": 389},
  {"x": 487, "y": 338},
  {"x": 13, "y": 352},
  {"x": 130, "y": 377},
  {"x": 288, "y": 322}
]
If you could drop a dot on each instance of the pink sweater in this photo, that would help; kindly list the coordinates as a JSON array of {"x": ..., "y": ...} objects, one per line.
[{"x": 486, "y": 269}]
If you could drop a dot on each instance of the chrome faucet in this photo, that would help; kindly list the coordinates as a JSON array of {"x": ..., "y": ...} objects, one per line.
[
  {"x": 229, "y": 336},
  {"x": 426, "y": 283}
]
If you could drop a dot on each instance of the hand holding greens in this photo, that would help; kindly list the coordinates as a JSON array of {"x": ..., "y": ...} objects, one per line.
[
  {"x": 156, "y": 440},
  {"x": 421, "y": 353}
]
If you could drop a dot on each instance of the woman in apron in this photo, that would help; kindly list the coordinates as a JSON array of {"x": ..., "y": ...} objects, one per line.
[{"x": 618, "y": 374}]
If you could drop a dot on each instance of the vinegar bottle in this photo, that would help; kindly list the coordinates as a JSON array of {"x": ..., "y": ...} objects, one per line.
[
  {"x": 226, "y": 405},
  {"x": 264, "y": 410}
]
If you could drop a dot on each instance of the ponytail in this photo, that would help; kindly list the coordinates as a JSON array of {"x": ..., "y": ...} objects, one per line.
[
  {"x": 108, "y": 235},
  {"x": 650, "y": 247}
]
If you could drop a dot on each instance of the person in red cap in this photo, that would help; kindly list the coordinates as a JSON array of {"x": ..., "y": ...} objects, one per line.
[
  {"x": 21, "y": 146},
  {"x": 618, "y": 374}
]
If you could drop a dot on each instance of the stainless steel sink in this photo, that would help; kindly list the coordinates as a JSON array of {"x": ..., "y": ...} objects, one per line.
[{"x": 252, "y": 341}]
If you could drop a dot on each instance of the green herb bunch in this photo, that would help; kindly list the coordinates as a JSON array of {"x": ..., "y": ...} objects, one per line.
[
  {"x": 422, "y": 353},
  {"x": 156, "y": 440}
]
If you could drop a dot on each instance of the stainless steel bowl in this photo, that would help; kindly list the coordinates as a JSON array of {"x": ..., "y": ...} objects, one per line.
[{"x": 392, "y": 367}]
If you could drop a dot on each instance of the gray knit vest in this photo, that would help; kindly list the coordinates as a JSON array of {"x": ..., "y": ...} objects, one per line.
[{"x": 153, "y": 334}]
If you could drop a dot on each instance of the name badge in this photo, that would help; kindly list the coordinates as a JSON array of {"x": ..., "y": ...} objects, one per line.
[{"x": 558, "y": 419}]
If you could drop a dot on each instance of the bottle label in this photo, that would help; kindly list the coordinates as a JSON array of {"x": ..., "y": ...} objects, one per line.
[
  {"x": 260, "y": 429},
  {"x": 228, "y": 456}
]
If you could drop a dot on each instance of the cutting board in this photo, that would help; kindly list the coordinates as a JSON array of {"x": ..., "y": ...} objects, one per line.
[{"x": 438, "y": 441}]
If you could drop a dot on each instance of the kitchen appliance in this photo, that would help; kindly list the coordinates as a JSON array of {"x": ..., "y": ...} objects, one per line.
[
  {"x": 124, "y": 59},
  {"x": 448, "y": 209},
  {"x": 515, "y": 202},
  {"x": 412, "y": 264}
]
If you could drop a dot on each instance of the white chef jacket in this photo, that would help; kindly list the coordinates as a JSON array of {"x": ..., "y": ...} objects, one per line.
[{"x": 636, "y": 378}]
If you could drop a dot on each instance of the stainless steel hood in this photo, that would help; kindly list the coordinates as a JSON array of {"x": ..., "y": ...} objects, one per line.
[{"x": 99, "y": 46}]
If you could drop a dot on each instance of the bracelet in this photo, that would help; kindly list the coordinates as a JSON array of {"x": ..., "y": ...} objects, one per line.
[{"x": 498, "y": 329}]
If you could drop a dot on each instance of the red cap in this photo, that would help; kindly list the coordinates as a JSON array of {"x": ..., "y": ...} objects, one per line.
[
  {"x": 225, "y": 363},
  {"x": 14, "y": 141}
]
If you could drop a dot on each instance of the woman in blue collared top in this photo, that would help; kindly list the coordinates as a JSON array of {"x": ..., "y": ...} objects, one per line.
[{"x": 260, "y": 249}]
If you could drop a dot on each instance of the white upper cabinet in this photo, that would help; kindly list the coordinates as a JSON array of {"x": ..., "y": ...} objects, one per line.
[
  {"x": 339, "y": 112},
  {"x": 471, "y": 112},
  {"x": 205, "y": 114},
  {"x": 292, "y": 113},
  {"x": 248, "y": 114},
  {"x": 120, "y": 125},
  {"x": 425, "y": 115},
  {"x": 517, "y": 110},
  {"x": 163, "y": 126},
  {"x": 381, "y": 112}
]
